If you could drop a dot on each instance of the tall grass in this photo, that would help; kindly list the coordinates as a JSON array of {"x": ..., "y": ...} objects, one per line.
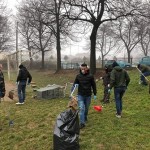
[{"x": 34, "y": 121}]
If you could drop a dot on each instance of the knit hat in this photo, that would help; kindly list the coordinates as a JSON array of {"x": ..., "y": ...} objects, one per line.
[
  {"x": 115, "y": 64},
  {"x": 21, "y": 66}
]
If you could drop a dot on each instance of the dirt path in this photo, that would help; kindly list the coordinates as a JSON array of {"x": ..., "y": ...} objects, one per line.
[{"x": 10, "y": 86}]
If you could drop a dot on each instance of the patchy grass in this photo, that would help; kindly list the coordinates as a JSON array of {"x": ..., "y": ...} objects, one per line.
[{"x": 34, "y": 121}]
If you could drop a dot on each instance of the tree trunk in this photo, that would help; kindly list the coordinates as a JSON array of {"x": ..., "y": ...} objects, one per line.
[
  {"x": 129, "y": 56},
  {"x": 93, "y": 50},
  {"x": 43, "y": 62},
  {"x": 58, "y": 47},
  {"x": 102, "y": 61}
]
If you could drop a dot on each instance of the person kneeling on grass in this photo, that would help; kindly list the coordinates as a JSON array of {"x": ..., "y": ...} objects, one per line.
[
  {"x": 119, "y": 79},
  {"x": 86, "y": 84},
  {"x": 22, "y": 79}
]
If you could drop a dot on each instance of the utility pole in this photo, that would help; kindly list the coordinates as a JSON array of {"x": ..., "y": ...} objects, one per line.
[{"x": 17, "y": 62}]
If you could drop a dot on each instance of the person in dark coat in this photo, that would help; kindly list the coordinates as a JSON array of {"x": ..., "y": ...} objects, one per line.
[
  {"x": 2, "y": 89},
  {"x": 23, "y": 78},
  {"x": 86, "y": 85},
  {"x": 2, "y": 83},
  {"x": 119, "y": 79},
  {"x": 106, "y": 82}
]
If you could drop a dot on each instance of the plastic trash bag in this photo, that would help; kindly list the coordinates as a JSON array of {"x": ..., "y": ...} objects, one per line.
[{"x": 66, "y": 131}]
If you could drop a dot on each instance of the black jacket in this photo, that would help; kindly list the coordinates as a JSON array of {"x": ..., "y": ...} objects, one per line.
[
  {"x": 2, "y": 84},
  {"x": 106, "y": 79},
  {"x": 24, "y": 75},
  {"x": 86, "y": 84}
]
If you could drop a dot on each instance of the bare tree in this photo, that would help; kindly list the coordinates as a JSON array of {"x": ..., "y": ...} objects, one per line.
[
  {"x": 96, "y": 12},
  {"x": 142, "y": 24},
  {"x": 37, "y": 35},
  {"x": 5, "y": 28},
  {"x": 105, "y": 41},
  {"x": 58, "y": 24},
  {"x": 25, "y": 30},
  {"x": 144, "y": 35},
  {"x": 126, "y": 31}
]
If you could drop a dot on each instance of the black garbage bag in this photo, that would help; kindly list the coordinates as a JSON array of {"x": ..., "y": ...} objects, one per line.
[{"x": 66, "y": 131}]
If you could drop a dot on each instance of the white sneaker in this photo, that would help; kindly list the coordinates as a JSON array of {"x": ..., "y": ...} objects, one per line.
[
  {"x": 19, "y": 103},
  {"x": 118, "y": 116},
  {"x": 140, "y": 82}
]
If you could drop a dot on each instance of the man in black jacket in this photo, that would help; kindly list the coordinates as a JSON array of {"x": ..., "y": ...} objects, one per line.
[
  {"x": 23, "y": 78},
  {"x": 86, "y": 84},
  {"x": 2, "y": 83}
]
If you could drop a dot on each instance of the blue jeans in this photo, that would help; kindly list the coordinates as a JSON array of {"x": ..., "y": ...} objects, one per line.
[
  {"x": 143, "y": 78},
  {"x": 84, "y": 103},
  {"x": 21, "y": 91},
  {"x": 119, "y": 92}
]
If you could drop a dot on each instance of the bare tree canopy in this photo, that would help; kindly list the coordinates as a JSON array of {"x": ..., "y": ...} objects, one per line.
[
  {"x": 96, "y": 12},
  {"x": 5, "y": 28},
  {"x": 37, "y": 35},
  {"x": 106, "y": 40}
]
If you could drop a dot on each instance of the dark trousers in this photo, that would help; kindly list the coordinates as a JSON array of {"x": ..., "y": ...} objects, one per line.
[
  {"x": 143, "y": 78},
  {"x": 22, "y": 91},
  {"x": 106, "y": 94},
  {"x": 119, "y": 92}
]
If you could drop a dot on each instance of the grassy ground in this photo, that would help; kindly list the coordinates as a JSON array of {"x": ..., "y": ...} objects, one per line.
[{"x": 34, "y": 121}]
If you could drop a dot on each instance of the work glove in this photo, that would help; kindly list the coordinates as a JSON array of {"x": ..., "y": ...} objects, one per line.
[
  {"x": 76, "y": 85},
  {"x": 95, "y": 97},
  {"x": 109, "y": 90},
  {"x": 96, "y": 80}
]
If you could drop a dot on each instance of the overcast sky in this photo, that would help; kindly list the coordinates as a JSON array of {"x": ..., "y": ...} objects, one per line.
[
  {"x": 69, "y": 50},
  {"x": 11, "y": 4}
]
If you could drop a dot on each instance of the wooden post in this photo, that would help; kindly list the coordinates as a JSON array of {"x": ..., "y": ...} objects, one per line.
[{"x": 8, "y": 67}]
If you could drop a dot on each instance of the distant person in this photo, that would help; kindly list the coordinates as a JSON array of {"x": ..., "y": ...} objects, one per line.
[
  {"x": 119, "y": 79},
  {"x": 23, "y": 78},
  {"x": 145, "y": 70},
  {"x": 86, "y": 84},
  {"x": 2, "y": 89},
  {"x": 2, "y": 83},
  {"x": 106, "y": 82}
]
